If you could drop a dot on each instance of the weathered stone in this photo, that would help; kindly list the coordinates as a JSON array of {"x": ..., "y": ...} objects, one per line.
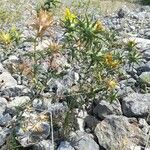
[
  {"x": 37, "y": 128},
  {"x": 65, "y": 146},
  {"x": 13, "y": 91},
  {"x": 105, "y": 108},
  {"x": 145, "y": 77},
  {"x": 115, "y": 132},
  {"x": 91, "y": 122},
  {"x": 83, "y": 141},
  {"x": 3, "y": 105},
  {"x": 18, "y": 101},
  {"x": 136, "y": 105},
  {"x": 6, "y": 80},
  {"x": 3, "y": 135},
  {"x": 44, "y": 145},
  {"x": 5, "y": 119}
]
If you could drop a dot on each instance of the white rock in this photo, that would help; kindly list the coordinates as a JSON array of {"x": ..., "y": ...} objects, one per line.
[
  {"x": 18, "y": 101},
  {"x": 65, "y": 146}
]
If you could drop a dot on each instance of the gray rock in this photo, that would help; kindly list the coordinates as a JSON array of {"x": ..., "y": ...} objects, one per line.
[
  {"x": 37, "y": 103},
  {"x": 142, "y": 44},
  {"x": 143, "y": 68},
  {"x": 43, "y": 145},
  {"x": 127, "y": 82},
  {"x": 33, "y": 128},
  {"x": 14, "y": 90},
  {"x": 124, "y": 91},
  {"x": 147, "y": 34},
  {"x": 5, "y": 119},
  {"x": 145, "y": 77},
  {"x": 65, "y": 146},
  {"x": 3, "y": 105},
  {"x": 1, "y": 69},
  {"x": 146, "y": 54},
  {"x": 114, "y": 132},
  {"x": 91, "y": 122},
  {"x": 105, "y": 108},
  {"x": 144, "y": 125},
  {"x": 136, "y": 105},
  {"x": 83, "y": 141},
  {"x": 6, "y": 80},
  {"x": 3, "y": 135},
  {"x": 34, "y": 135},
  {"x": 13, "y": 59},
  {"x": 123, "y": 12},
  {"x": 18, "y": 101}
]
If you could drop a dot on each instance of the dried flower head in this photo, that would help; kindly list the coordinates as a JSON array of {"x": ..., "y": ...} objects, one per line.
[
  {"x": 44, "y": 117},
  {"x": 112, "y": 84},
  {"x": 110, "y": 62},
  {"x": 99, "y": 26},
  {"x": 43, "y": 21},
  {"x": 54, "y": 47},
  {"x": 37, "y": 128},
  {"x": 25, "y": 69}
]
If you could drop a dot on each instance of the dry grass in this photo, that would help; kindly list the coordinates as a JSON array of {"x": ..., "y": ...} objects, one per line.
[{"x": 102, "y": 6}]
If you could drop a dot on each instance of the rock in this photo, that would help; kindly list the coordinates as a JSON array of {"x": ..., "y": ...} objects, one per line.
[
  {"x": 62, "y": 85},
  {"x": 90, "y": 122},
  {"x": 144, "y": 125},
  {"x": 3, "y": 105},
  {"x": 33, "y": 128},
  {"x": 146, "y": 54},
  {"x": 6, "y": 80},
  {"x": 1, "y": 69},
  {"x": 136, "y": 105},
  {"x": 83, "y": 141},
  {"x": 145, "y": 77},
  {"x": 43, "y": 145},
  {"x": 57, "y": 108},
  {"x": 124, "y": 91},
  {"x": 3, "y": 135},
  {"x": 123, "y": 12},
  {"x": 105, "y": 108},
  {"x": 37, "y": 103},
  {"x": 5, "y": 119},
  {"x": 80, "y": 119},
  {"x": 143, "y": 68},
  {"x": 18, "y": 102},
  {"x": 147, "y": 34},
  {"x": 142, "y": 44},
  {"x": 13, "y": 59},
  {"x": 128, "y": 82},
  {"x": 115, "y": 132},
  {"x": 65, "y": 146},
  {"x": 13, "y": 91}
]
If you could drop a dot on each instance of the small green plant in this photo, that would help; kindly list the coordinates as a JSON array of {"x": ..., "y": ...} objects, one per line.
[
  {"x": 9, "y": 40},
  {"x": 47, "y": 5}
]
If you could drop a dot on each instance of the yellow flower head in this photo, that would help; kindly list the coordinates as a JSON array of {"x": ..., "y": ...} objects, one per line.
[
  {"x": 112, "y": 84},
  {"x": 5, "y": 38},
  {"x": 69, "y": 16},
  {"x": 110, "y": 61},
  {"x": 99, "y": 26}
]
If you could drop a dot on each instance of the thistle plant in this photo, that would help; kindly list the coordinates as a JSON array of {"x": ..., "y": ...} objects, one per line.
[
  {"x": 90, "y": 48},
  {"x": 9, "y": 41},
  {"x": 47, "y": 5},
  {"x": 133, "y": 55}
]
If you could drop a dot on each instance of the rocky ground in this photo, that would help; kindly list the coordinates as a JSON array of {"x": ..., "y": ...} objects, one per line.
[{"x": 122, "y": 125}]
